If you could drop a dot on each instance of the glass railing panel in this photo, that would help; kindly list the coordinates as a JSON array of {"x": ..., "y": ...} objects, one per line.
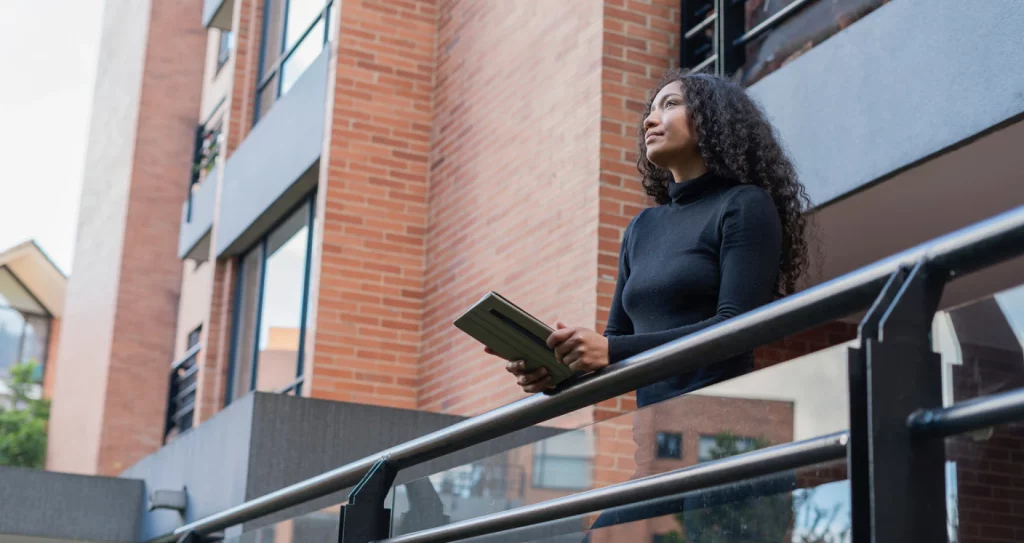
[
  {"x": 799, "y": 399},
  {"x": 982, "y": 354}
]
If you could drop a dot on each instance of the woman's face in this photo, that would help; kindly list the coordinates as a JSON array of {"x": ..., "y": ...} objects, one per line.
[{"x": 667, "y": 132}]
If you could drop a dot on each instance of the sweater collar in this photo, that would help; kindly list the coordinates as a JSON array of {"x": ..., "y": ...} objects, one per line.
[{"x": 692, "y": 189}]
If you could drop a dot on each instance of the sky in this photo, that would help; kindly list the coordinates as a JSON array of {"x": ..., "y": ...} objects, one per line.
[{"x": 49, "y": 69}]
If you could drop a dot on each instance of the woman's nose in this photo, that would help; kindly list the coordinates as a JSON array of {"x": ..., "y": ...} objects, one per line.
[{"x": 650, "y": 121}]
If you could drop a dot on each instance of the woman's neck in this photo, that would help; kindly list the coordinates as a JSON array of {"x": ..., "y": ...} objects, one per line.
[{"x": 691, "y": 170}]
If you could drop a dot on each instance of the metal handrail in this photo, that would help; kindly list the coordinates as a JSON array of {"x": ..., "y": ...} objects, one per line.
[
  {"x": 970, "y": 415},
  {"x": 719, "y": 472},
  {"x": 961, "y": 252}
]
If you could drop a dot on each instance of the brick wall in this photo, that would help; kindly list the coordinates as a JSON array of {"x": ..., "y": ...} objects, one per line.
[
  {"x": 640, "y": 42},
  {"x": 120, "y": 312},
  {"x": 150, "y": 271},
  {"x": 214, "y": 359},
  {"x": 373, "y": 208},
  {"x": 989, "y": 464},
  {"x": 513, "y": 193}
]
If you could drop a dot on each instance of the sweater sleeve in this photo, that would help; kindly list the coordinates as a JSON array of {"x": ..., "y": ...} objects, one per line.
[
  {"x": 749, "y": 265},
  {"x": 619, "y": 323}
]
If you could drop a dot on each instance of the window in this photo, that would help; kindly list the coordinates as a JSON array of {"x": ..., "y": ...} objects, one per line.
[
  {"x": 725, "y": 445},
  {"x": 670, "y": 445},
  {"x": 294, "y": 34},
  {"x": 24, "y": 325},
  {"x": 193, "y": 337},
  {"x": 564, "y": 462},
  {"x": 227, "y": 43},
  {"x": 272, "y": 308}
]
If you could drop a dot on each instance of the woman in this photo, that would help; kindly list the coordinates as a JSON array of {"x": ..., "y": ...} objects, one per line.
[{"x": 726, "y": 236}]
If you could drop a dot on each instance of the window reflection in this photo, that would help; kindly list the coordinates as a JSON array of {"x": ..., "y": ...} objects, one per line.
[
  {"x": 245, "y": 333},
  {"x": 300, "y": 15},
  {"x": 280, "y": 317},
  {"x": 304, "y": 55},
  {"x": 271, "y": 310},
  {"x": 24, "y": 325},
  {"x": 294, "y": 35}
]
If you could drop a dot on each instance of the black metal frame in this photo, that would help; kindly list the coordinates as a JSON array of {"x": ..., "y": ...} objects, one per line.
[
  {"x": 266, "y": 74},
  {"x": 181, "y": 392},
  {"x": 894, "y": 448},
  {"x": 723, "y": 51},
  {"x": 261, "y": 245}
]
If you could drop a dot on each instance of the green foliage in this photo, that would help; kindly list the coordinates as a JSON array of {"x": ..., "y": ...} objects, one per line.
[
  {"x": 767, "y": 518},
  {"x": 23, "y": 420}
]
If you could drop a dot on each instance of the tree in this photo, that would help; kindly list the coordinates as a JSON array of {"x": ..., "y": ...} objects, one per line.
[{"x": 23, "y": 420}]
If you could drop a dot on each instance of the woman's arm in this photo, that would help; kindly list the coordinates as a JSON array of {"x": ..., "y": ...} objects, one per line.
[
  {"x": 749, "y": 263},
  {"x": 619, "y": 323}
]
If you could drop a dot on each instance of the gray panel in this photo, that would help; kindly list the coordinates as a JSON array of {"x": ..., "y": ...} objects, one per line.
[
  {"x": 297, "y": 438},
  {"x": 198, "y": 225},
  {"x": 907, "y": 81},
  {"x": 210, "y": 461},
  {"x": 88, "y": 508},
  {"x": 218, "y": 13},
  {"x": 265, "y": 175}
]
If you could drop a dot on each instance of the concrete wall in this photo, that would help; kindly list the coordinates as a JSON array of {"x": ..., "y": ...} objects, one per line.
[
  {"x": 63, "y": 506},
  {"x": 87, "y": 338},
  {"x": 907, "y": 81},
  {"x": 122, "y": 301},
  {"x": 261, "y": 176},
  {"x": 211, "y": 462},
  {"x": 264, "y": 442}
]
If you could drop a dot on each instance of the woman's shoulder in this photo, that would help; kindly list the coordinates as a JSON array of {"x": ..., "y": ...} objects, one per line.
[{"x": 740, "y": 197}]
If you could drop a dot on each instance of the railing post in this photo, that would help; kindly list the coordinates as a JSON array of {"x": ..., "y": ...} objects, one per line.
[
  {"x": 897, "y": 481},
  {"x": 729, "y": 26},
  {"x": 364, "y": 518}
]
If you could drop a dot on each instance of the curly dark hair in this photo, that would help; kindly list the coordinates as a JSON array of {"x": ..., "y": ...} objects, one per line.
[{"x": 737, "y": 142}]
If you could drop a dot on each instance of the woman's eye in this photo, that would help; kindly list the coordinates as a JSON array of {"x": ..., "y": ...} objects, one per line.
[{"x": 671, "y": 103}]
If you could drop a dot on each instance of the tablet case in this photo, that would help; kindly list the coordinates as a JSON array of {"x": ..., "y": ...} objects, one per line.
[{"x": 513, "y": 334}]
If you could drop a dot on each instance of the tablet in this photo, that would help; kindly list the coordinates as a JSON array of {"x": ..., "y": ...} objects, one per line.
[{"x": 512, "y": 334}]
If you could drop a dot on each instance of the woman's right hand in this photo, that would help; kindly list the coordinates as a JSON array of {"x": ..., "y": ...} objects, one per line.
[{"x": 532, "y": 381}]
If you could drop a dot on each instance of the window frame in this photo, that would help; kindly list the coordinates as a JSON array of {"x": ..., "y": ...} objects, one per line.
[
  {"x": 296, "y": 385},
  {"x": 273, "y": 72},
  {"x": 223, "y": 51},
  {"x": 657, "y": 445},
  {"x": 25, "y": 314}
]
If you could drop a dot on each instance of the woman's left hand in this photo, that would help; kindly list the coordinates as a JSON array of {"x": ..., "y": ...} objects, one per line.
[{"x": 582, "y": 349}]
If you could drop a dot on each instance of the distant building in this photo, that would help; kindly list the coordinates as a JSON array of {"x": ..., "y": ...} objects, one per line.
[{"x": 31, "y": 306}]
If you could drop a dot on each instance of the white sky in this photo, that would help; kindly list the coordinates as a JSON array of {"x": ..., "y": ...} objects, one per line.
[{"x": 47, "y": 69}]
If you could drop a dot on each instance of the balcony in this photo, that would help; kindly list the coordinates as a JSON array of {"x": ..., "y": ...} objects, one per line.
[
  {"x": 866, "y": 78},
  {"x": 274, "y": 168},
  {"x": 199, "y": 206},
  {"x": 218, "y": 13},
  {"x": 263, "y": 442},
  {"x": 181, "y": 395}
]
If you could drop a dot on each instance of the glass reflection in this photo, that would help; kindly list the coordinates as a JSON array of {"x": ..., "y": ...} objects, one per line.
[
  {"x": 281, "y": 313},
  {"x": 302, "y": 57},
  {"x": 245, "y": 332},
  {"x": 799, "y": 399}
]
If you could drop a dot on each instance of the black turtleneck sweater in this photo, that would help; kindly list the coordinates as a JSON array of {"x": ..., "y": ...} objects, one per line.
[{"x": 709, "y": 254}]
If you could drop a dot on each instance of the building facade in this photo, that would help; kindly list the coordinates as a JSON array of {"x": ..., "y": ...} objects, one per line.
[{"x": 298, "y": 197}]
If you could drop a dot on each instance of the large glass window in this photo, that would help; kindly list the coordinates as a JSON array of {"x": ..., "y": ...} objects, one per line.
[
  {"x": 294, "y": 34},
  {"x": 24, "y": 325},
  {"x": 270, "y": 319}
]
